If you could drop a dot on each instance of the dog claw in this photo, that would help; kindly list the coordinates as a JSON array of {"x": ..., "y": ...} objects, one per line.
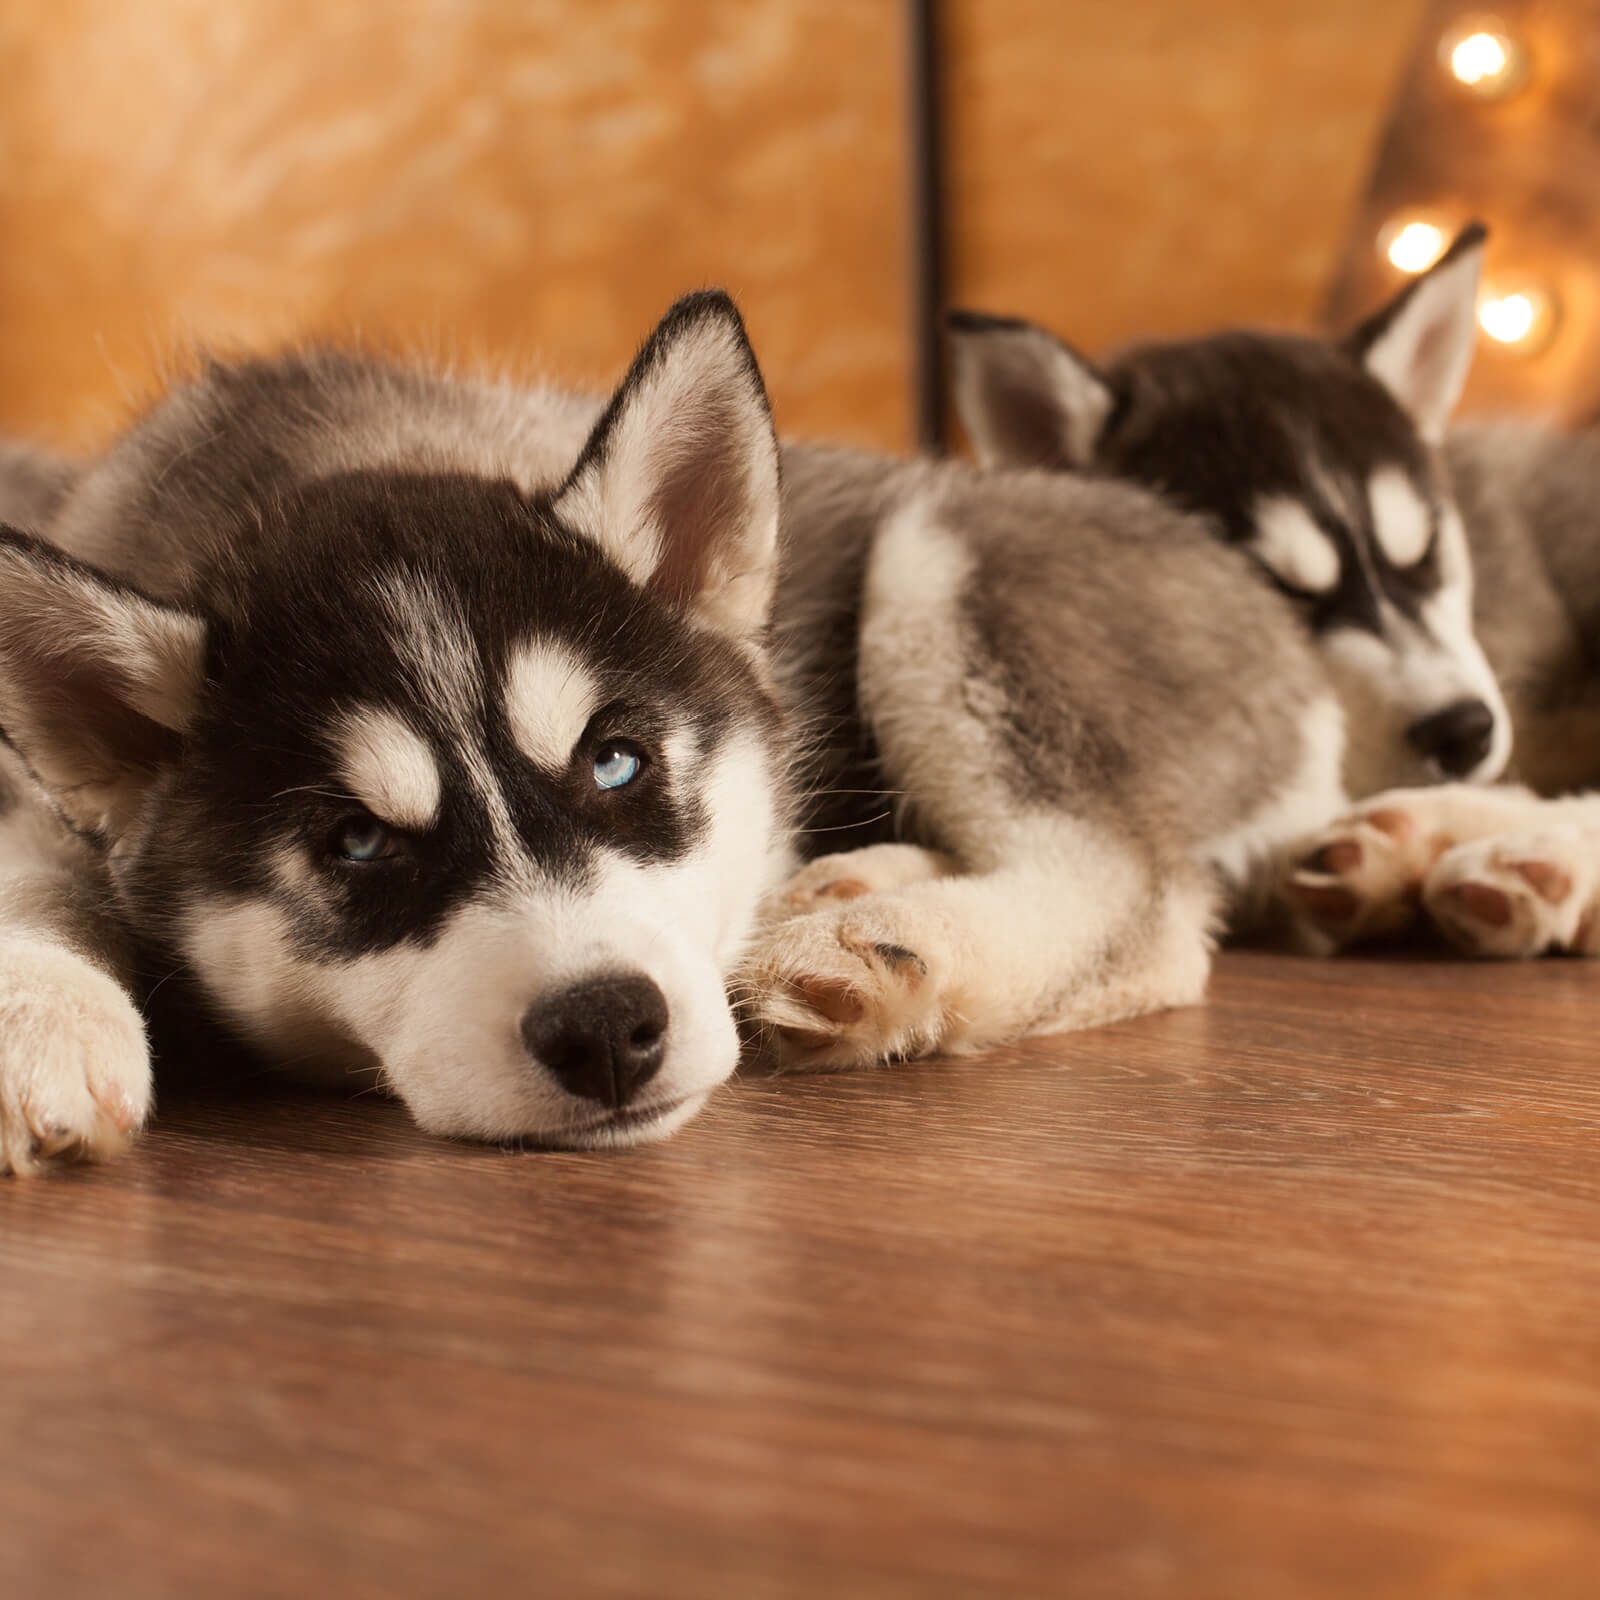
[{"x": 900, "y": 958}]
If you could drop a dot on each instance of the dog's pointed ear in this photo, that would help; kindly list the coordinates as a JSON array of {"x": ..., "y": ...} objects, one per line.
[
  {"x": 1025, "y": 398},
  {"x": 679, "y": 480},
  {"x": 1419, "y": 346},
  {"x": 97, "y": 682}
]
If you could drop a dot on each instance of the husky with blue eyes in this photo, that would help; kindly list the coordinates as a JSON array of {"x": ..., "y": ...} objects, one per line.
[{"x": 417, "y": 731}]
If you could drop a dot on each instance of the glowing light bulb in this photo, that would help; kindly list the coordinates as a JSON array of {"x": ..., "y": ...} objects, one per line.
[
  {"x": 1522, "y": 319},
  {"x": 1509, "y": 319},
  {"x": 1484, "y": 59},
  {"x": 1413, "y": 246},
  {"x": 1479, "y": 56}
]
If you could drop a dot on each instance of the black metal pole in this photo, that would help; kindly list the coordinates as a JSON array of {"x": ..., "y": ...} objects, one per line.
[{"x": 927, "y": 237}]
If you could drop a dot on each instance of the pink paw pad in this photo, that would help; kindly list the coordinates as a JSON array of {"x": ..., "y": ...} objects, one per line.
[
  {"x": 1481, "y": 902},
  {"x": 838, "y": 1002},
  {"x": 1550, "y": 883},
  {"x": 1344, "y": 855},
  {"x": 842, "y": 889},
  {"x": 1396, "y": 824},
  {"x": 1328, "y": 902}
]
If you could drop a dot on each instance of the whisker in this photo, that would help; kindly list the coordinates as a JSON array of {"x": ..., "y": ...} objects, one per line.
[
  {"x": 845, "y": 827},
  {"x": 311, "y": 788},
  {"x": 164, "y": 979},
  {"x": 884, "y": 794}
]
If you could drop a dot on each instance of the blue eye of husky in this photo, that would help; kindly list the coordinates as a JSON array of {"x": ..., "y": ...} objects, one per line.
[
  {"x": 362, "y": 839},
  {"x": 615, "y": 764}
]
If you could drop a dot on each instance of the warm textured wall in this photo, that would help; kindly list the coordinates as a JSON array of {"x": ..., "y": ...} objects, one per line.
[
  {"x": 1129, "y": 168},
  {"x": 536, "y": 179},
  {"x": 1529, "y": 166},
  {"x": 528, "y": 178}
]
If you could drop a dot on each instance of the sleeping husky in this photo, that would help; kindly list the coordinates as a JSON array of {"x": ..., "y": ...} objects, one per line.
[
  {"x": 467, "y": 740},
  {"x": 1360, "y": 503}
]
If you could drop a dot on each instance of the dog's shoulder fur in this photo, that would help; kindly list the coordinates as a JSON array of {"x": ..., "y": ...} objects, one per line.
[{"x": 33, "y": 484}]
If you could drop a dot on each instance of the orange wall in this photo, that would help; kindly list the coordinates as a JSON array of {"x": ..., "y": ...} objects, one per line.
[
  {"x": 533, "y": 180},
  {"x": 536, "y": 181},
  {"x": 1134, "y": 168}
]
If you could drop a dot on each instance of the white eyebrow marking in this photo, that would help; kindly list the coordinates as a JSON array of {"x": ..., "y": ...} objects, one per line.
[
  {"x": 1400, "y": 519},
  {"x": 1294, "y": 546},
  {"x": 389, "y": 768},
  {"x": 550, "y": 696}
]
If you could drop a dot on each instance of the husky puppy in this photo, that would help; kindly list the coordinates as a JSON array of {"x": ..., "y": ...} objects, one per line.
[
  {"x": 1338, "y": 472},
  {"x": 1320, "y": 460},
  {"x": 424, "y": 730},
  {"x": 1507, "y": 871},
  {"x": 442, "y": 733}
]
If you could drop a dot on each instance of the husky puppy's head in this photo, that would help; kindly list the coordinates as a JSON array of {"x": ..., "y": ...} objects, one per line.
[
  {"x": 470, "y": 787},
  {"x": 1320, "y": 460}
]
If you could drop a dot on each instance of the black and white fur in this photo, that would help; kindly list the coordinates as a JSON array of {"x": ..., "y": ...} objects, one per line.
[
  {"x": 314, "y": 678},
  {"x": 1450, "y": 572}
]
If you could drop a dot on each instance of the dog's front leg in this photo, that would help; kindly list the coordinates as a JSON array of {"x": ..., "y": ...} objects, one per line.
[
  {"x": 1041, "y": 911},
  {"x": 1066, "y": 930},
  {"x": 1531, "y": 893},
  {"x": 75, "y": 1074},
  {"x": 1499, "y": 871}
]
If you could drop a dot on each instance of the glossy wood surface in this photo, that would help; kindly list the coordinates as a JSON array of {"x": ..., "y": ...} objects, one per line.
[{"x": 1297, "y": 1294}]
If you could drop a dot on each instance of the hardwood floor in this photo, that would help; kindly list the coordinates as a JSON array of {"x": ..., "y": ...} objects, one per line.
[{"x": 1297, "y": 1294}]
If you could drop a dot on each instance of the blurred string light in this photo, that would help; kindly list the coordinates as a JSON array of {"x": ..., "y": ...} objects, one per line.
[
  {"x": 1521, "y": 317},
  {"x": 1412, "y": 244},
  {"x": 1516, "y": 315},
  {"x": 1483, "y": 58}
]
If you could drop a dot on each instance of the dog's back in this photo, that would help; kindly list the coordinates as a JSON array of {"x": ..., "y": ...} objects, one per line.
[
  {"x": 1530, "y": 500},
  {"x": 1141, "y": 674},
  {"x": 33, "y": 484}
]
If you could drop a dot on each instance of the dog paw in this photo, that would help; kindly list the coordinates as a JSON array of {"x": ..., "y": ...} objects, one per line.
[
  {"x": 831, "y": 880},
  {"x": 1362, "y": 879},
  {"x": 75, "y": 1079},
  {"x": 842, "y": 987},
  {"x": 1516, "y": 896}
]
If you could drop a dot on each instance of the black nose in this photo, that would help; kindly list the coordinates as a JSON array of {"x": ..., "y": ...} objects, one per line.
[
  {"x": 602, "y": 1038},
  {"x": 1458, "y": 737}
]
